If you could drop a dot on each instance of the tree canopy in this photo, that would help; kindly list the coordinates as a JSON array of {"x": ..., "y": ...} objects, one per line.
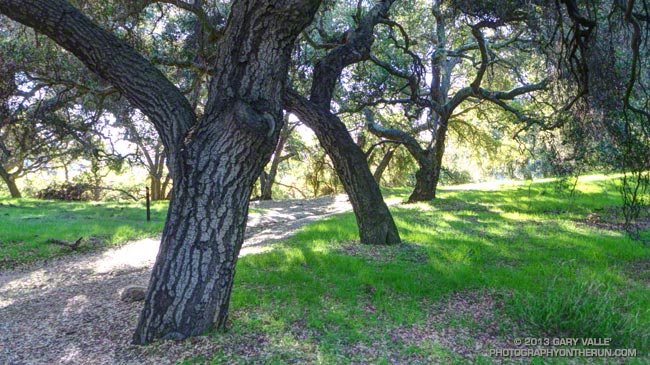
[{"x": 209, "y": 92}]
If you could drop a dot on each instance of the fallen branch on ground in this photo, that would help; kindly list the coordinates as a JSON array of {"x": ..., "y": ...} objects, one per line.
[{"x": 72, "y": 245}]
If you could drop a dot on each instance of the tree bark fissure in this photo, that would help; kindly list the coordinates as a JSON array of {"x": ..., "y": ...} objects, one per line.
[
  {"x": 191, "y": 281},
  {"x": 222, "y": 156}
]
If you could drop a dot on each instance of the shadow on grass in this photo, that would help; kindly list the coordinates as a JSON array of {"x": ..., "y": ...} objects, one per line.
[{"x": 320, "y": 298}]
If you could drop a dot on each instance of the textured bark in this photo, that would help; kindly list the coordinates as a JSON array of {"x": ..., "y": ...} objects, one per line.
[
  {"x": 225, "y": 152},
  {"x": 376, "y": 225},
  {"x": 10, "y": 181},
  {"x": 213, "y": 161},
  {"x": 192, "y": 279}
]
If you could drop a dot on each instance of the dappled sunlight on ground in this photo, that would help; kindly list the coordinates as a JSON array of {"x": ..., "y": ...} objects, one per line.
[
  {"x": 500, "y": 184},
  {"x": 67, "y": 310},
  {"x": 138, "y": 254},
  {"x": 76, "y": 305},
  {"x": 461, "y": 283}
]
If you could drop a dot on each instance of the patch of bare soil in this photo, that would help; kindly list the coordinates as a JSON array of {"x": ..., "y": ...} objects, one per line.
[{"x": 68, "y": 311}]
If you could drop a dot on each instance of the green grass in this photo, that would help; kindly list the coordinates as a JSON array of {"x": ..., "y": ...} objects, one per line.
[
  {"x": 552, "y": 275},
  {"x": 26, "y": 225},
  {"x": 478, "y": 269}
]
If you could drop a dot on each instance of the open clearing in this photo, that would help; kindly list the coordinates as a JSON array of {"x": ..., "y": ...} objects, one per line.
[{"x": 478, "y": 269}]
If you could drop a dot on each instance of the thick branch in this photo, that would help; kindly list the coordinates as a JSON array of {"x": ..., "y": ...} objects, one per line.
[
  {"x": 394, "y": 135},
  {"x": 136, "y": 78},
  {"x": 356, "y": 49},
  {"x": 464, "y": 93}
]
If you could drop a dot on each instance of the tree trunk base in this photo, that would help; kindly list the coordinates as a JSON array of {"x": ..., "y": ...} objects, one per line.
[{"x": 426, "y": 184}]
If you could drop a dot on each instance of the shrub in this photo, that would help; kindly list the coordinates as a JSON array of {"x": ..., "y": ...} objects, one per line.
[{"x": 66, "y": 191}]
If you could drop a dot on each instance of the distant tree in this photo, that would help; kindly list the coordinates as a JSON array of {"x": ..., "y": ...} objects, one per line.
[
  {"x": 150, "y": 150},
  {"x": 33, "y": 134},
  {"x": 476, "y": 54},
  {"x": 376, "y": 225},
  {"x": 50, "y": 112},
  {"x": 267, "y": 179}
]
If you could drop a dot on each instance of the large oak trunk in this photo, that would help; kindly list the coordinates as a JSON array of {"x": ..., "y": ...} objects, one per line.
[
  {"x": 215, "y": 169},
  {"x": 191, "y": 282},
  {"x": 426, "y": 181},
  {"x": 213, "y": 159},
  {"x": 376, "y": 225}
]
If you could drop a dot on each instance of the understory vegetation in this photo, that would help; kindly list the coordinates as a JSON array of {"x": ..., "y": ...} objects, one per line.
[{"x": 479, "y": 268}]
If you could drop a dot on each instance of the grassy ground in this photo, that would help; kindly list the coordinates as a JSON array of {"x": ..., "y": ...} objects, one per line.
[
  {"x": 26, "y": 226},
  {"x": 479, "y": 269}
]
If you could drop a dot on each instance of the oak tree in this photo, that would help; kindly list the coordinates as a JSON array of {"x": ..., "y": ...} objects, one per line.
[{"x": 214, "y": 159}]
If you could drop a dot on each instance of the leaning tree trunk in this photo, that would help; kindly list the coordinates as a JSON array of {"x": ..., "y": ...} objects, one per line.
[
  {"x": 376, "y": 225},
  {"x": 428, "y": 176},
  {"x": 216, "y": 168},
  {"x": 213, "y": 159},
  {"x": 13, "y": 188},
  {"x": 192, "y": 280},
  {"x": 383, "y": 164},
  {"x": 10, "y": 181}
]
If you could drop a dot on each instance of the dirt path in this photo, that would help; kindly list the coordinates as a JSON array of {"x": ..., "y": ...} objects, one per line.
[{"x": 67, "y": 311}]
